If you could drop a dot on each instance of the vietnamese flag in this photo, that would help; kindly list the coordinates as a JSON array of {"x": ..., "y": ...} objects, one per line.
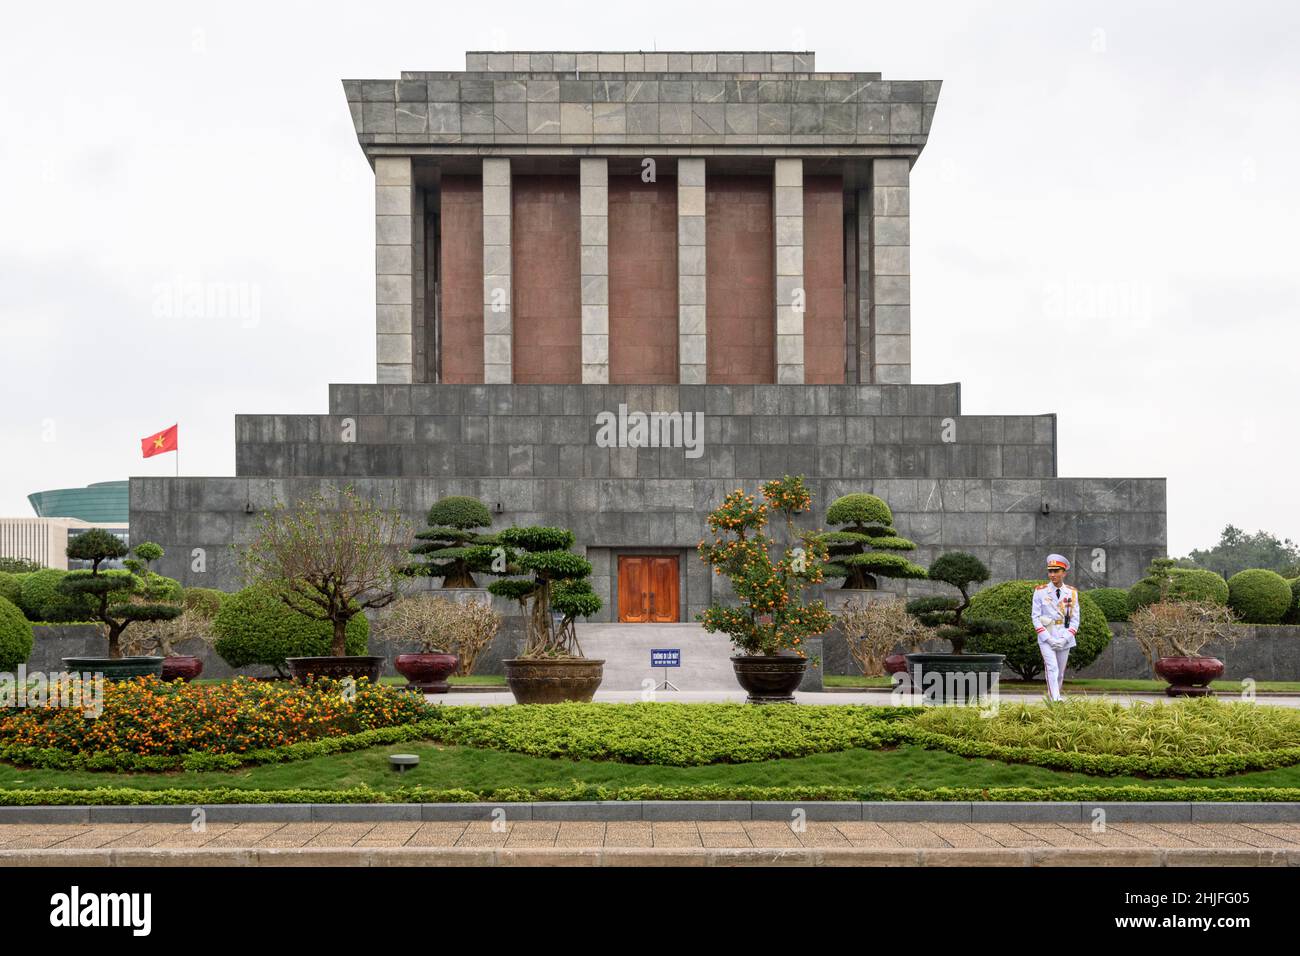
[{"x": 166, "y": 440}]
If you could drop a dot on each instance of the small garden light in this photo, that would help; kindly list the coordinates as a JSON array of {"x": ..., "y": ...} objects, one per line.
[{"x": 403, "y": 762}]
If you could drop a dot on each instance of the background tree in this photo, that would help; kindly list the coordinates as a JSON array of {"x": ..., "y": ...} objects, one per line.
[
  {"x": 545, "y": 575},
  {"x": 961, "y": 570},
  {"x": 109, "y": 594},
  {"x": 1238, "y": 551},
  {"x": 327, "y": 563},
  {"x": 863, "y": 549},
  {"x": 450, "y": 548}
]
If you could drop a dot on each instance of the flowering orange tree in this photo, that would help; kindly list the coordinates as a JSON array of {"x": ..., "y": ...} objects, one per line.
[{"x": 767, "y": 576}]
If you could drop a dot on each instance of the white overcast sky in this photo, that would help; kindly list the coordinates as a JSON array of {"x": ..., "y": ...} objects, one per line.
[{"x": 1103, "y": 223}]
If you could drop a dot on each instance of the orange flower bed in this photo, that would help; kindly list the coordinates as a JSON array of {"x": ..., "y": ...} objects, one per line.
[{"x": 149, "y": 717}]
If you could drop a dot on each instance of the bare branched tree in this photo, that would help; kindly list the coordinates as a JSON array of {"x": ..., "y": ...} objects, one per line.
[
  {"x": 330, "y": 562},
  {"x": 1181, "y": 629}
]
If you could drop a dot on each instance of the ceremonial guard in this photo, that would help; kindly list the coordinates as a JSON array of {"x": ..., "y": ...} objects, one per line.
[{"x": 1056, "y": 619}]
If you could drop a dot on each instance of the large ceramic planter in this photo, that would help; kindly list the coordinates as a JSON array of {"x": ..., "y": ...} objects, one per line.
[
  {"x": 553, "y": 680},
  {"x": 426, "y": 673},
  {"x": 116, "y": 668},
  {"x": 1189, "y": 676},
  {"x": 953, "y": 678},
  {"x": 304, "y": 669},
  {"x": 181, "y": 667},
  {"x": 769, "y": 679},
  {"x": 895, "y": 664}
]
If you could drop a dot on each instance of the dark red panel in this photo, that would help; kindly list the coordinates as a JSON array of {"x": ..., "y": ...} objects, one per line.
[
  {"x": 823, "y": 267},
  {"x": 546, "y": 220},
  {"x": 741, "y": 294},
  {"x": 642, "y": 281},
  {"x": 461, "y": 255}
]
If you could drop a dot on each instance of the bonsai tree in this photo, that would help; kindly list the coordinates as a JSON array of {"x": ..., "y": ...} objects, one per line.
[
  {"x": 768, "y": 577},
  {"x": 436, "y": 624},
  {"x": 863, "y": 549},
  {"x": 544, "y": 575},
  {"x": 1180, "y": 628},
  {"x": 961, "y": 570},
  {"x": 328, "y": 564},
  {"x": 109, "y": 594},
  {"x": 873, "y": 629},
  {"x": 450, "y": 548}
]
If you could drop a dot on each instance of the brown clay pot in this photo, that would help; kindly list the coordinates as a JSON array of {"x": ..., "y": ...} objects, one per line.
[
  {"x": 553, "y": 680},
  {"x": 769, "y": 679},
  {"x": 1189, "y": 676},
  {"x": 181, "y": 667},
  {"x": 426, "y": 673},
  {"x": 304, "y": 669}
]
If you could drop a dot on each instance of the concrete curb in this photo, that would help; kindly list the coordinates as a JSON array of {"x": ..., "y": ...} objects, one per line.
[
  {"x": 662, "y": 856},
  {"x": 671, "y": 810}
]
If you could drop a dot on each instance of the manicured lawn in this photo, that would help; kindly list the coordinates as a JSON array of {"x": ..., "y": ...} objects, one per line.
[
  {"x": 445, "y": 767},
  {"x": 1079, "y": 685}
]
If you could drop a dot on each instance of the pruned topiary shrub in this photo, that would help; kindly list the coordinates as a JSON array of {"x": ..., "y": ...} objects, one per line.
[
  {"x": 864, "y": 548},
  {"x": 1292, "y": 615},
  {"x": 1165, "y": 582},
  {"x": 1112, "y": 601},
  {"x": 205, "y": 602},
  {"x": 255, "y": 626},
  {"x": 451, "y": 548},
  {"x": 1259, "y": 596},
  {"x": 1011, "y": 601},
  {"x": 41, "y": 599},
  {"x": 11, "y": 588},
  {"x": 15, "y": 636}
]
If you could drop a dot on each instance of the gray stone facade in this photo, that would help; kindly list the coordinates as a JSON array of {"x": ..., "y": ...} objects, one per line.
[
  {"x": 981, "y": 483},
  {"x": 529, "y": 451}
]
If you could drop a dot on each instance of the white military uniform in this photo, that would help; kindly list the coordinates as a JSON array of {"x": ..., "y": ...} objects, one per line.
[{"x": 1056, "y": 619}]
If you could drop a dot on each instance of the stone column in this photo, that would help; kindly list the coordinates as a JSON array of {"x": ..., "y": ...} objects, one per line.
[
  {"x": 394, "y": 269},
  {"x": 692, "y": 349},
  {"x": 891, "y": 301},
  {"x": 594, "y": 189},
  {"x": 787, "y": 207},
  {"x": 498, "y": 327},
  {"x": 864, "y": 351}
]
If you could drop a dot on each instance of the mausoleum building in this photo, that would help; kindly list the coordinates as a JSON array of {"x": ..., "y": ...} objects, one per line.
[{"x": 613, "y": 287}]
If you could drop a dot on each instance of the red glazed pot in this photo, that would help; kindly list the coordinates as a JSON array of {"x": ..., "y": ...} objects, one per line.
[
  {"x": 181, "y": 668},
  {"x": 427, "y": 673},
  {"x": 895, "y": 663},
  {"x": 1189, "y": 676}
]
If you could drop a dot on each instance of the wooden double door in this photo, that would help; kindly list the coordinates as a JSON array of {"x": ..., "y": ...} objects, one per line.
[{"x": 647, "y": 589}]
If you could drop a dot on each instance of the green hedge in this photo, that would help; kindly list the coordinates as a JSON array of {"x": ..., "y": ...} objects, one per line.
[
  {"x": 15, "y": 636},
  {"x": 42, "y": 600},
  {"x": 1012, "y": 601},
  {"x": 126, "y": 796},
  {"x": 11, "y": 588},
  {"x": 254, "y": 626},
  {"x": 1112, "y": 601},
  {"x": 206, "y": 601},
  {"x": 1259, "y": 596},
  {"x": 1187, "y": 584},
  {"x": 1292, "y": 615},
  {"x": 670, "y": 734}
]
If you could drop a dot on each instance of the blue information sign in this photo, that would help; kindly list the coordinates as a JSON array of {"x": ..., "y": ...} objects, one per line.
[{"x": 665, "y": 657}]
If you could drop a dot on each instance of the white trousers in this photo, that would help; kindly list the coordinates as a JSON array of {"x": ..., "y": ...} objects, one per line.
[{"x": 1053, "y": 667}]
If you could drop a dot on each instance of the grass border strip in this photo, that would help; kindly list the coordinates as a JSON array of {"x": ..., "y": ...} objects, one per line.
[{"x": 126, "y": 796}]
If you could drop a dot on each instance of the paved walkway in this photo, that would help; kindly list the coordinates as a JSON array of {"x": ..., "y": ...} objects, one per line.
[{"x": 706, "y": 834}]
